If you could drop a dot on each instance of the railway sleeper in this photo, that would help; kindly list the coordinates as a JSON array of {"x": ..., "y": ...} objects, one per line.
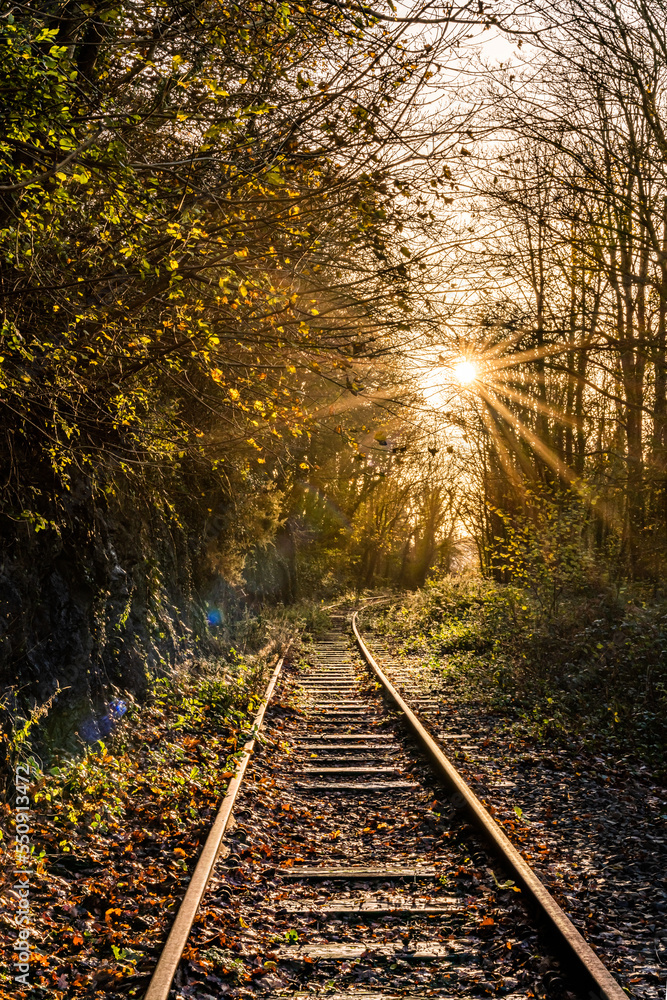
[{"x": 358, "y": 889}]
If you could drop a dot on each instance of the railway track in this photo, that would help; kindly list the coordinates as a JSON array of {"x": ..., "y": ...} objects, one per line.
[{"x": 358, "y": 864}]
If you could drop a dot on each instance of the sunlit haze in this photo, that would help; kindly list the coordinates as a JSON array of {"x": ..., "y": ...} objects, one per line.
[{"x": 465, "y": 371}]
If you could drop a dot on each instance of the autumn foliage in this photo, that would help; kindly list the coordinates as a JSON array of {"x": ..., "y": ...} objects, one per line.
[
  {"x": 197, "y": 212},
  {"x": 201, "y": 209}
]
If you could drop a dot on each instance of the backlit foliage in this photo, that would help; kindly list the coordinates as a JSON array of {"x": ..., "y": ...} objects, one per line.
[{"x": 197, "y": 211}]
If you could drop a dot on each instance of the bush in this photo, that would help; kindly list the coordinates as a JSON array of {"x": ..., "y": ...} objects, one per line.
[{"x": 592, "y": 665}]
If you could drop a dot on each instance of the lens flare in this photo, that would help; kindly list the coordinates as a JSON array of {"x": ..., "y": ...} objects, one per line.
[{"x": 465, "y": 371}]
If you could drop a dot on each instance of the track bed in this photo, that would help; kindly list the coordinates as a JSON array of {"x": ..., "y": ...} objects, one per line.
[{"x": 348, "y": 873}]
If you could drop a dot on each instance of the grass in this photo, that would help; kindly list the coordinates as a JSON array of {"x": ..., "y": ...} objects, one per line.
[{"x": 595, "y": 668}]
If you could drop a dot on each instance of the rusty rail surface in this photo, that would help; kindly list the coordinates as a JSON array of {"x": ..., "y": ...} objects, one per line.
[
  {"x": 601, "y": 983},
  {"x": 165, "y": 969},
  {"x": 579, "y": 956}
]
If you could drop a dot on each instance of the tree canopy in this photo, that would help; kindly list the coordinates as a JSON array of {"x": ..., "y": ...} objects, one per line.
[{"x": 201, "y": 212}]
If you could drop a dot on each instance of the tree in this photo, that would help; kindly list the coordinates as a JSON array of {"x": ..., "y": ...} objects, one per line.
[
  {"x": 207, "y": 222},
  {"x": 575, "y": 192}
]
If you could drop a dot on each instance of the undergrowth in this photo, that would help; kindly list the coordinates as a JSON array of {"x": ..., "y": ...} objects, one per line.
[
  {"x": 50, "y": 735},
  {"x": 280, "y": 623},
  {"x": 114, "y": 831},
  {"x": 595, "y": 668},
  {"x": 116, "y": 826}
]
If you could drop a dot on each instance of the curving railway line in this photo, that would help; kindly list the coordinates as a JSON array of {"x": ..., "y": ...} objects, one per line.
[{"x": 349, "y": 859}]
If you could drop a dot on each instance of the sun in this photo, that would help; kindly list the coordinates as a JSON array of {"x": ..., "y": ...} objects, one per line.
[{"x": 465, "y": 371}]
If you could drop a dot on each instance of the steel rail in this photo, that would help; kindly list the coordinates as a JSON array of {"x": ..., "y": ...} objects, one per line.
[
  {"x": 602, "y": 984},
  {"x": 165, "y": 970}
]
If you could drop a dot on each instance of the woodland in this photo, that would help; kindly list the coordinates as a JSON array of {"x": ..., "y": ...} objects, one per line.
[
  {"x": 305, "y": 299},
  {"x": 306, "y": 302}
]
